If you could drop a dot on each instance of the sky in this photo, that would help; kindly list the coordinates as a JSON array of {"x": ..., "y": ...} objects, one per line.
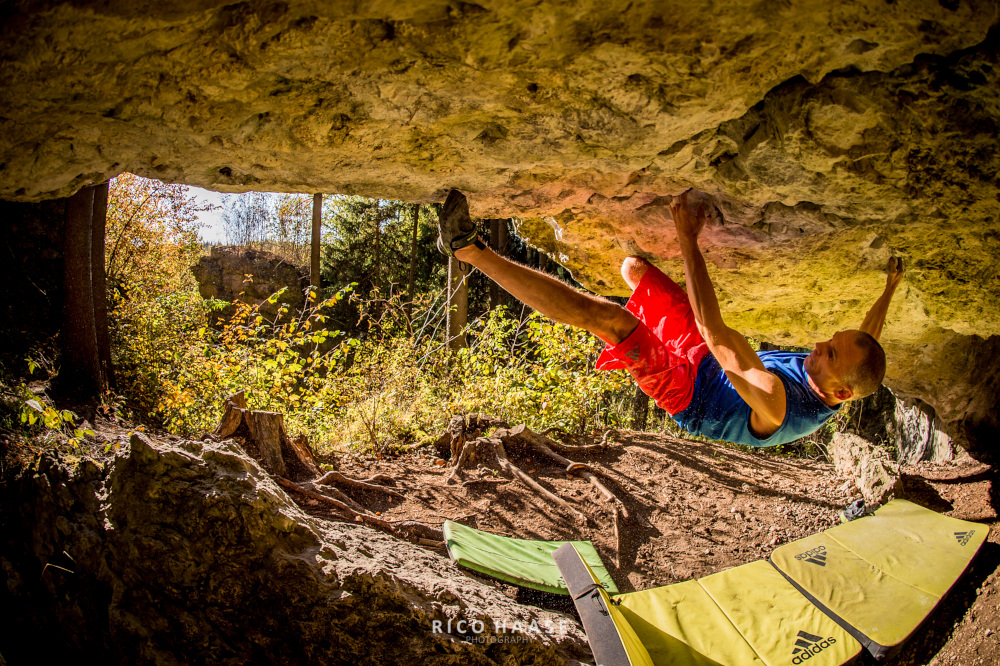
[{"x": 213, "y": 230}]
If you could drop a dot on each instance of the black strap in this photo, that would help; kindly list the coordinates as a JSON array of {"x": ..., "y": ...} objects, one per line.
[
  {"x": 593, "y": 587},
  {"x": 602, "y": 634}
]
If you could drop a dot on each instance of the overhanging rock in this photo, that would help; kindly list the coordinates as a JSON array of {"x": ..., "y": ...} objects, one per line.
[
  {"x": 187, "y": 552},
  {"x": 832, "y": 135}
]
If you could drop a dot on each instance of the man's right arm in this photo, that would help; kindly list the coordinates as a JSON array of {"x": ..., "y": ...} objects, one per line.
[{"x": 762, "y": 390}]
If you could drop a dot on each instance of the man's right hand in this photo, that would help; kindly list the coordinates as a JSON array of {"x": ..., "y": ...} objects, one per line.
[
  {"x": 895, "y": 271},
  {"x": 689, "y": 222}
]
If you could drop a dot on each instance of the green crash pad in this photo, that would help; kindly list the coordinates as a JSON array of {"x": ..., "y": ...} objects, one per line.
[
  {"x": 520, "y": 561},
  {"x": 746, "y": 615},
  {"x": 880, "y": 576}
]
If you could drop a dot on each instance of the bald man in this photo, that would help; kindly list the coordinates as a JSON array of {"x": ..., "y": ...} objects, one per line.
[{"x": 678, "y": 348}]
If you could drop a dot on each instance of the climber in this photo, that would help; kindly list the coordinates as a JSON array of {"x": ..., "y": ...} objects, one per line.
[{"x": 677, "y": 346}]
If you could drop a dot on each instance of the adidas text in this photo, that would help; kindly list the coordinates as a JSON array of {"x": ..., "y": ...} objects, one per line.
[
  {"x": 807, "y": 646},
  {"x": 816, "y": 556}
]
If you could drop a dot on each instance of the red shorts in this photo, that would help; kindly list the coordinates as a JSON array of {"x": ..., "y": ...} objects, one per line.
[{"x": 664, "y": 351}]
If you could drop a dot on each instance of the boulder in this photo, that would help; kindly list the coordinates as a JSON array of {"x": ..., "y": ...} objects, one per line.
[
  {"x": 869, "y": 468},
  {"x": 251, "y": 276},
  {"x": 907, "y": 427},
  {"x": 832, "y": 136},
  {"x": 178, "y": 552}
]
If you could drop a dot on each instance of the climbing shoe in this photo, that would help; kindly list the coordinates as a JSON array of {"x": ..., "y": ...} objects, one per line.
[
  {"x": 455, "y": 228},
  {"x": 855, "y": 509}
]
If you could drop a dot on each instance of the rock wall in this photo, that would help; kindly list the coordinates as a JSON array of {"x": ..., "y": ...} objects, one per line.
[
  {"x": 907, "y": 427},
  {"x": 868, "y": 468},
  {"x": 31, "y": 272},
  {"x": 250, "y": 276},
  {"x": 833, "y": 135},
  {"x": 183, "y": 552}
]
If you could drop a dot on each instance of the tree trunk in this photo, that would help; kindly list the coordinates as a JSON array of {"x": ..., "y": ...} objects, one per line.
[
  {"x": 411, "y": 284},
  {"x": 640, "y": 409},
  {"x": 263, "y": 437},
  {"x": 101, "y": 282},
  {"x": 314, "y": 278},
  {"x": 660, "y": 415},
  {"x": 498, "y": 241},
  {"x": 458, "y": 303},
  {"x": 80, "y": 368},
  {"x": 378, "y": 239}
]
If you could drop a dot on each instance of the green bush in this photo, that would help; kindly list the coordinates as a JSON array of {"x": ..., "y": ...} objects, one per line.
[{"x": 386, "y": 391}]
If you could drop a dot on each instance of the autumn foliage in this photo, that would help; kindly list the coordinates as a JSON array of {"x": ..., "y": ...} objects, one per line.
[{"x": 385, "y": 382}]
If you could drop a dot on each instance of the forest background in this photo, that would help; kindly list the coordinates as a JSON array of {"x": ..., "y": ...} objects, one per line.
[
  {"x": 370, "y": 363},
  {"x": 366, "y": 365}
]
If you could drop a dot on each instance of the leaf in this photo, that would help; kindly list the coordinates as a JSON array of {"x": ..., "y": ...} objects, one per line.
[{"x": 35, "y": 405}]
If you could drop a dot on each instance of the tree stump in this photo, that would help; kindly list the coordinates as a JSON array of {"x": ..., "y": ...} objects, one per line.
[{"x": 262, "y": 434}]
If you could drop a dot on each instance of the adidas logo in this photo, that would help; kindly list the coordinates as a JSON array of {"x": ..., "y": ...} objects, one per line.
[
  {"x": 963, "y": 537},
  {"x": 815, "y": 556},
  {"x": 808, "y": 646},
  {"x": 633, "y": 353}
]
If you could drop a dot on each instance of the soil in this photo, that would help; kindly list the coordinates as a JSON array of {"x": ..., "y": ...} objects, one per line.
[
  {"x": 695, "y": 508},
  {"x": 698, "y": 508}
]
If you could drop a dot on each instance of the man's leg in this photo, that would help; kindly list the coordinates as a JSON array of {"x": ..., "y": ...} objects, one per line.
[
  {"x": 633, "y": 268},
  {"x": 553, "y": 298}
]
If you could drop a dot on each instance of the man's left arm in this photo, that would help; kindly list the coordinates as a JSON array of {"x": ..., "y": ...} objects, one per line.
[{"x": 875, "y": 318}]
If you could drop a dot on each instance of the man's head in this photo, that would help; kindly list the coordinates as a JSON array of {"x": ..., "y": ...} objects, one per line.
[{"x": 848, "y": 366}]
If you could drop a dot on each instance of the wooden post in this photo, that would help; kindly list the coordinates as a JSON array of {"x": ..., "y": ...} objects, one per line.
[
  {"x": 317, "y": 223},
  {"x": 640, "y": 409},
  {"x": 498, "y": 241},
  {"x": 411, "y": 284},
  {"x": 100, "y": 279}
]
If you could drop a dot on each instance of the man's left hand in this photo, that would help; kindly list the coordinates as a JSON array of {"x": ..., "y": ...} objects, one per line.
[{"x": 895, "y": 272}]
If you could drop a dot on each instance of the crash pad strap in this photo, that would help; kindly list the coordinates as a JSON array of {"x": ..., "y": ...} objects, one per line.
[{"x": 611, "y": 638}]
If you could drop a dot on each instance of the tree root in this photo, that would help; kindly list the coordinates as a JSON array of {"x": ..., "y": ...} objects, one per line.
[
  {"x": 543, "y": 445},
  {"x": 409, "y": 529},
  {"x": 263, "y": 436},
  {"x": 491, "y": 453},
  {"x": 336, "y": 478}
]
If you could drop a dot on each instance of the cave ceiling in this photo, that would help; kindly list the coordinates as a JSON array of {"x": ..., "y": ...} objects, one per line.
[{"x": 833, "y": 135}]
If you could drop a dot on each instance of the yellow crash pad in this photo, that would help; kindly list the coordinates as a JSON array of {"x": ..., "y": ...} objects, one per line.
[
  {"x": 746, "y": 615},
  {"x": 881, "y": 575}
]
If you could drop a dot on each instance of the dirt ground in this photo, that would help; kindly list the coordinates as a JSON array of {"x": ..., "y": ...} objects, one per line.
[
  {"x": 695, "y": 509},
  {"x": 699, "y": 508}
]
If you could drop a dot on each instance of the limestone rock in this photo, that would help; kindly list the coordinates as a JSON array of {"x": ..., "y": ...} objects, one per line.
[
  {"x": 918, "y": 429},
  {"x": 833, "y": 135},
  {"x": 908, "y": 427},
  {"x": 188, "y": 553},
  {"x": 250, "y": 276},
  {"x": 868, "y": 467}
]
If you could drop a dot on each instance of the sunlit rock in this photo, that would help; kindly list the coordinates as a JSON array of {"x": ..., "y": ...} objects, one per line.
[{"x": 832, "y": 134}]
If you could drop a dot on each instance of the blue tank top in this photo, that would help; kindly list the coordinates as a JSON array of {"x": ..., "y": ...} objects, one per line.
[{"x": 718, "y": 412}]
